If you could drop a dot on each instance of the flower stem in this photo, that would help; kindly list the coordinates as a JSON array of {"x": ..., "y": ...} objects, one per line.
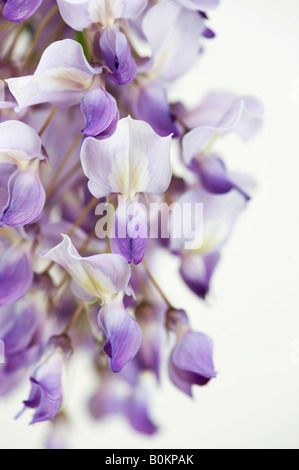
[
  {"x": 82, "y": 216},
  {"x": 49, "y": 119},
  {"x": 64, "y": 161},
  {"x": 37, "y": 35},
  {"x": 156, "y": 285},
  {"x": 74, "y": 318}
]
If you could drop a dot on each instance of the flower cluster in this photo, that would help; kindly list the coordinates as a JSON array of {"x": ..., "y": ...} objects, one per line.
[{"x": 86, "y": 121}]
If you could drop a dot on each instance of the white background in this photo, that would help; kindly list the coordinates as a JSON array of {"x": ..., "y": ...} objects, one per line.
[{"x": 253, "y": 311}]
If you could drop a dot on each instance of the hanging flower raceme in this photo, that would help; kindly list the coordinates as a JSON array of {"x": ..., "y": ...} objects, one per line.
[
  {"x": 134, "y": 160},
  {"x": 22, "y": 192},
  {"x": 103, "y": 277}
]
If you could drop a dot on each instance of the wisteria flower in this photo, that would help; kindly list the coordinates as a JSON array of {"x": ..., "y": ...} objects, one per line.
[{"x": 103, "y": 277}]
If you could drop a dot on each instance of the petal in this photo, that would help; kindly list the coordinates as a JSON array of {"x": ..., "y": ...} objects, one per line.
[
  {"x": 197, "y": 271},
  {"x": 136, "y": 409},
  {"x": 19, "y": 143},
  {"x": 244, "y": 117},
  {"x": 101, "y": 113},
  {"x": 20, "y": 10},
  {"x": 184, "y": 379},
  {"x": 61, "y": 78},
  {"x": 75, "y": 13},
  {"x": 101, "y": 11},
  {"x": 20, "y": 334},
  {"x": 26, "y": 198},
  {"x": 152, "y": 106},
  {"x": 123, "y": 336},
  {"x": 194, "y": 353},
  {"x": 15, "y": 275},
  {"x": 214, "y": 176},
  {"x": 102, "y": 276},
  {"x": 117, "y": 56},
  {"x": 130, "y": 232},
  {"x": 135, "y": 159},
  {"x": 173, "y": 34},
  {"x": 220, "y": 213},
  {"x": 132, "y": 9},
  {"x": 199, "y": 5}
]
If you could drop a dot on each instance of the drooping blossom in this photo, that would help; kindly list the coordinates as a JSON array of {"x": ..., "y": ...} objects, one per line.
[
  {"x": 103, "y": 277},
  {"x": 22, "y": 192},
  {"x": 134, "y": 160},
  {"x": 46, "y": 381},
  {"x": 62, "y": 77},
  {"x": 191, "y": 361}
]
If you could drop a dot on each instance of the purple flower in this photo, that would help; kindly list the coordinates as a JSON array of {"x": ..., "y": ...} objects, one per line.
[
  {"x": 220, "y": 213},
  {"x": 62, "y": 77},
  {"x": 134, "y": 160},
  {"x": 115, "y": 397},
  {"x": 151, "y": 105},
  {"x": 191, "y": 362},
  {"x": 101, "y": 114},
  {"x": 117, "y": 57},
  {"x": 21, "y": 328},
  {"x": 173, "y": 33},
  {"x": 130, "y": 232},
  {"x": 123, "y": 335},
  {"x": 20, "y": 10},
  {"x": 199, "y": 5},
  {"x": 217, "y": 116},
  {"x": 215, "y": 177},
  {"x": 15, "y": 273},
  {"x": 95, "y": 277},
  {"x": 83, "y": 14},
  {"x": 21, "y": 189},
  {"x": 46, "y": 381}
]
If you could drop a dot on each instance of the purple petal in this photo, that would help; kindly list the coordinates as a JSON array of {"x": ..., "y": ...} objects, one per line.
[
  {"x": 197, "y": 271},
  {"x": 117, "y": 56},
  {"x": 22, "y": 332},
  {"x": 136, "y": 409},
  {"x": 199, "y": 5},
  {"x": 130, "y": 232},
  {"x": 152, "y": 106},
  {"x": 75, "y": 13},
  {"x": 19, "y": 144},
  {"x": 133, "y": 160},
  {"x": 102, "y": 275},
  {"x": 15, "y": 275},
  {"x": 173, "y": 33},
  {"x": 61, "y": 78},
  {"x": 26, "y": 198},
  {"x": 46, "y": 390},
  {"x": 194, "y": 353},
  {"x": 20, "y": 10},
  {"x": 244, "y": 117},
  {"x": 123, "y": 336},
  {"x": 184, "y": 380},
  {"x": 191, "y": 362},
  {"x": 214, "y": 176},
  {"x": 101, "y": 113}
]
